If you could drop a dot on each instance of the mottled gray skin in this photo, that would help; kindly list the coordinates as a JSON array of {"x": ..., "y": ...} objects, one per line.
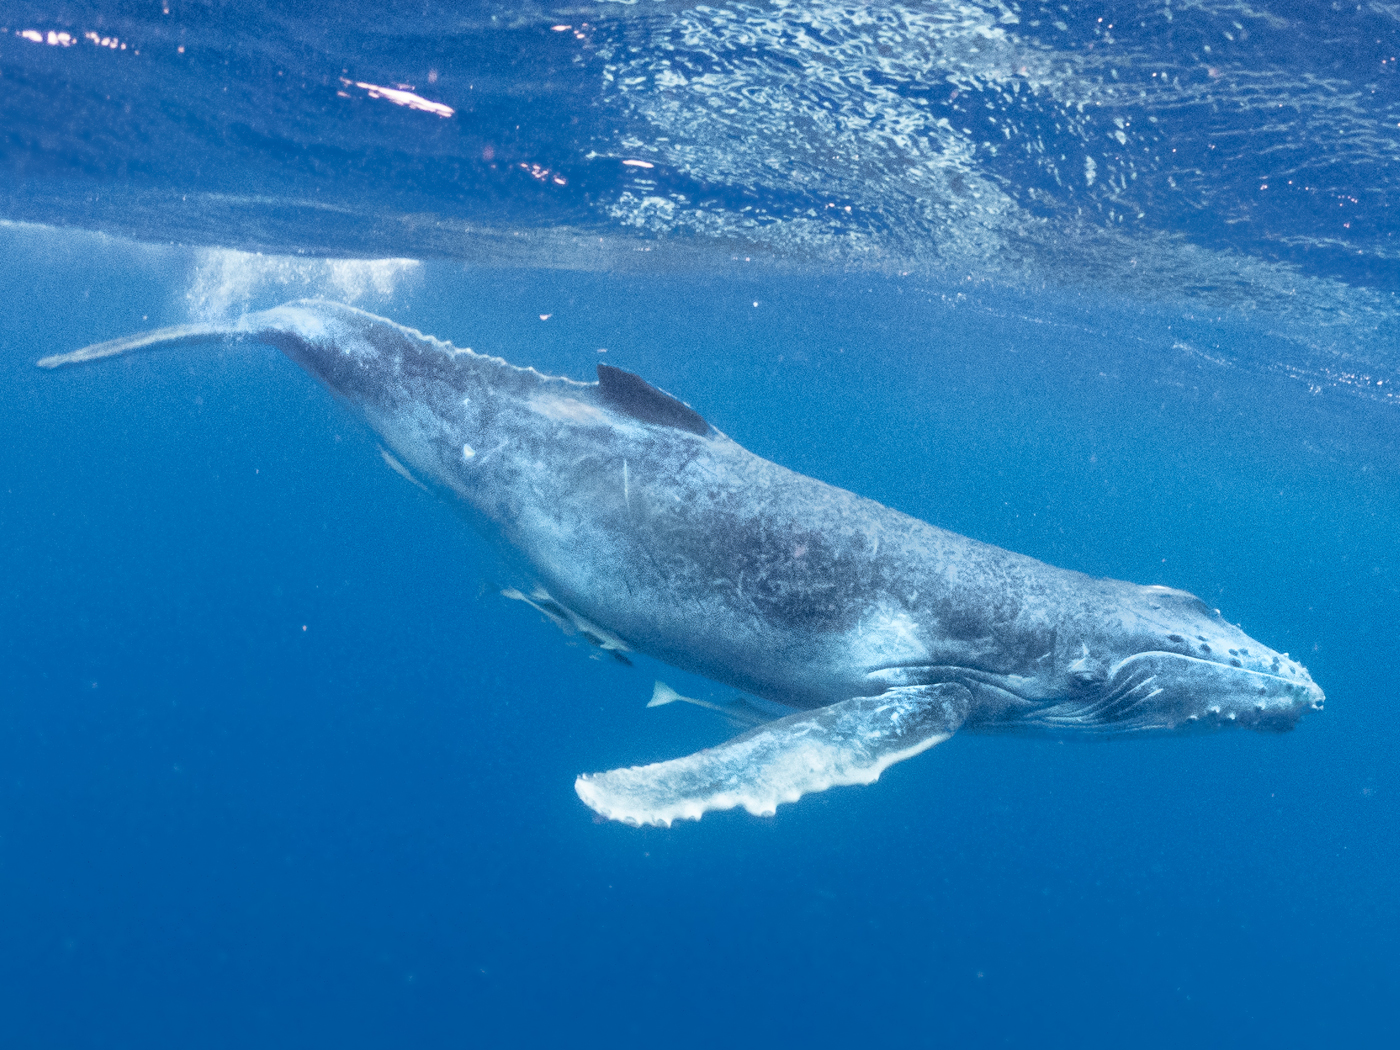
[{"x": 701, "y": 554}]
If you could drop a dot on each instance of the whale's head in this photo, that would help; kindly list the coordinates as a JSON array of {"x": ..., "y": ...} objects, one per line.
[{"x": 1161, "y": 659}]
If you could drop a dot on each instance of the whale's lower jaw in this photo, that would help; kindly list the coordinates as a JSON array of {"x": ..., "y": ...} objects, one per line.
[{"x": 1160, "y": 692}]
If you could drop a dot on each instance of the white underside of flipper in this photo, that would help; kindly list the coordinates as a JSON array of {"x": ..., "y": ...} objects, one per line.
[{"x": 852, "y": 742}]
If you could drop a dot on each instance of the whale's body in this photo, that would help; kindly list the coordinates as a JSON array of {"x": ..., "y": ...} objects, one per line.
[{"x": 648, "y": 530}]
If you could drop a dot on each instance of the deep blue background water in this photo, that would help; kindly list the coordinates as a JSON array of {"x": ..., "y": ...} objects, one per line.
[
  {"x": 279, "y": 767},
  {"x": 219, "y": 827}
]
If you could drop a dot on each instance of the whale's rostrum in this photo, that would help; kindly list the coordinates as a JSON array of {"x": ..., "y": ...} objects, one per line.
[{"x": 647, "y": 530}]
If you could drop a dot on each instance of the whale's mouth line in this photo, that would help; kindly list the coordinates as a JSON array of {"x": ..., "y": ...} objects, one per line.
[
  {"x": 1117, "y": 677},
  {"x": 1114, "y": 671},
  {"x": 1149, "y": 691}
]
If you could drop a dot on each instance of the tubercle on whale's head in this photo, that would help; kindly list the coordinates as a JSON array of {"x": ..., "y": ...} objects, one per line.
[
  {"x": 1213, "y": 674},
  {"x": 1168, "y": 662}
]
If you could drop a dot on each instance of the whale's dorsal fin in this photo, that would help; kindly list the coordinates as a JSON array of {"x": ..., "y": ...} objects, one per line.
[
  {"x": 852, "y": 742},
  {"x": 634, "y": 396}
]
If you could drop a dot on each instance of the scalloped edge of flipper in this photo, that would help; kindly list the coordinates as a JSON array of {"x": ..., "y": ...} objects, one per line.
[{"x": 845, "y": 744}]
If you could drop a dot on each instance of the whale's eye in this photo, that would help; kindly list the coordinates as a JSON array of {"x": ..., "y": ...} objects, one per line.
[
  {"x": 1205, "y": 648},
  {"x": 1176, "y": 638}
]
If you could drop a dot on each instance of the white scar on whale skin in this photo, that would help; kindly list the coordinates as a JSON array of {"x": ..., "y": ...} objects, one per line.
[
  {"x": 881, "y": 633},
  {"x": 568, "y": 410}
]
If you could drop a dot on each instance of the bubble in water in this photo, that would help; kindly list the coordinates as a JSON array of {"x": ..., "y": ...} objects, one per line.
[{"x": 224, "y": 283}]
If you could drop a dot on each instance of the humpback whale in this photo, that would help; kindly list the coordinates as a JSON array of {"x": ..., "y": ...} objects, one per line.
[{"x": 865, "y": 636}]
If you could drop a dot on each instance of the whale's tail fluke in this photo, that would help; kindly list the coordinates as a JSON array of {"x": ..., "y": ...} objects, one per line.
[
  {"x": 852, "y": 742},
  {"x": 160, "y": 339}
]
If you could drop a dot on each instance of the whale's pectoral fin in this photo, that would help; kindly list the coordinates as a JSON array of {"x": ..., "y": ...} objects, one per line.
[{"x": 847, "y": 743}]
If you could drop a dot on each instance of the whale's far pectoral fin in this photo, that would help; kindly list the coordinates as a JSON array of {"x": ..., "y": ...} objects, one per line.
[{"x": 847, "y": 743}]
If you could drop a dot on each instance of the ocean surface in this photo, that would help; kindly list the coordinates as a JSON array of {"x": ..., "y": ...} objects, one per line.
[{"x": 1111, "y": 285}]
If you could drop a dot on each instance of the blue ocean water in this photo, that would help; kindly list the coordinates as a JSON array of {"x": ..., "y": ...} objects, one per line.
[{"x": 278, "y": 766}]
